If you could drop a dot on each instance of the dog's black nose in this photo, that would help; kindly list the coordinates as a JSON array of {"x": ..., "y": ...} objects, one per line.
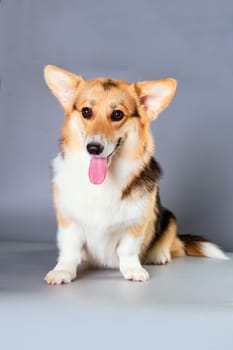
[{"x": 95, "y": 148}]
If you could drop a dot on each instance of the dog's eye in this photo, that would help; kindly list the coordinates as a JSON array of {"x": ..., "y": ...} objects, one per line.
[
  {"x": 117, "y": 115},
  {"x": 86, "y": 112}
]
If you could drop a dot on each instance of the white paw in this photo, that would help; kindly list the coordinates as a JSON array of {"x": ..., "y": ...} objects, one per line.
[
  {"x": 59, "y": 276},
  {"x": 163, "y": 257},
  {"x": 135, "y": 274}
]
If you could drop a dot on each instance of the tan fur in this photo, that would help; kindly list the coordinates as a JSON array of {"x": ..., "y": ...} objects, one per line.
[
  {"x": 150, "y": 225},
  {"x": 62, "y": 222},
  {"x": 146, "y": 228},
  {"x": 194, "y": 249},
  {"x": 163, "y": 243},
  {"x": 69, "y": 139},
  {"x": 177, "y": 248},
  {"x": 137, "y": 230}
]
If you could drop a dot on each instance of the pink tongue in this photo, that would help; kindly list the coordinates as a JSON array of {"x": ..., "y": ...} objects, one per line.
[{"x": 97, "y": 170}]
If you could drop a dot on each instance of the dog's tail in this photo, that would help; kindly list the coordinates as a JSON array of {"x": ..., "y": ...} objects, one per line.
[{"x": 199, "y": 246}]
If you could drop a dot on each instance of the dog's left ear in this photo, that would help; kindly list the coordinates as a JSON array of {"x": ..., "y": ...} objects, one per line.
[{"x": 155, "y": 95}]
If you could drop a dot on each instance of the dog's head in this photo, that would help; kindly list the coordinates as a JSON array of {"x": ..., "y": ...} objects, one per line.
[{"x": 106, "y": 117}]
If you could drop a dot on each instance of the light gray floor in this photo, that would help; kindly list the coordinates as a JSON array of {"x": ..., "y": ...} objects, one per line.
[{"x": 187, "y": 304}]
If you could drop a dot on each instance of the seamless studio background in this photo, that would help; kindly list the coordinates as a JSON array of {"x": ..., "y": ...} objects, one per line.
[{"x": 133, "y": 40}]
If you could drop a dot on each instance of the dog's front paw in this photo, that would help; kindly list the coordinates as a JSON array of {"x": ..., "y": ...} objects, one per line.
[
  {"x": 138, "y": 274},
  {"x": 59, "y": 277}
]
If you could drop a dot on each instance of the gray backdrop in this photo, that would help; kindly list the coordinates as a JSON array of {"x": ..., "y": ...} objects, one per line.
[{"x": 136, "y": 40}]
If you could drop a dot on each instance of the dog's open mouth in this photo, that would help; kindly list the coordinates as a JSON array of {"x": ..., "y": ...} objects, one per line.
[{"x": 98, "y": 166}]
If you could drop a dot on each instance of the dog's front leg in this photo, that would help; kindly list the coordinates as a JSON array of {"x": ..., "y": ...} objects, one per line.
[
  {"x": 128, "y": 252},
  {"x": 70, "y": 243}
]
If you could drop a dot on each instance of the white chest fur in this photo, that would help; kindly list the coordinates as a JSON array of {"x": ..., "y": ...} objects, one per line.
[{"x": 98, "y": 210}]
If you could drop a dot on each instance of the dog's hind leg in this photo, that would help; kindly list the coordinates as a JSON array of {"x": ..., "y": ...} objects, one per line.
[{"x": 167, "y": 244}]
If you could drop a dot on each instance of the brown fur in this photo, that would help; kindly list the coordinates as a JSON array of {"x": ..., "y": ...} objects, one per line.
[
  {"x": 62, "y": 222},
  {"x": 136, "y": 230},
  {"x": 151, "y": 218},
  {"x": 108, "y": 84},
  {"x": 177, "y": 248},
  {"x": 162, "y": 243},
  {"x": 192, "y": 244}
]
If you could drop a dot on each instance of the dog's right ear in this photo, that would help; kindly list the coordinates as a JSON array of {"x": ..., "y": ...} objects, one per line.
[
  {"x": 155, "y": 95},
  {"x": 63, "y": 85}
]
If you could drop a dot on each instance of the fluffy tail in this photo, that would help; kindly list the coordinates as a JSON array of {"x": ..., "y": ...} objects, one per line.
[{"x": 199, "y": 246}]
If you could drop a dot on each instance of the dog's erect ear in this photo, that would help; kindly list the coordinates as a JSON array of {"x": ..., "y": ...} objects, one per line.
[
  {"x": 63, "y": 85},
  {"x": 155, "y": 95}
]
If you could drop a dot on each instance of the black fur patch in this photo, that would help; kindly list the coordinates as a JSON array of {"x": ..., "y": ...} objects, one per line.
[
  {"x": 163, "y": 220},
  {"x": 108, "y": 84},
  {"x": 146, "y": 180},
  {"x": 188, "y": 239}
]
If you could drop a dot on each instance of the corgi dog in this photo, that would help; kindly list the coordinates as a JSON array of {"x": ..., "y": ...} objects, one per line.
[{"x": 105, "y": 179}]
